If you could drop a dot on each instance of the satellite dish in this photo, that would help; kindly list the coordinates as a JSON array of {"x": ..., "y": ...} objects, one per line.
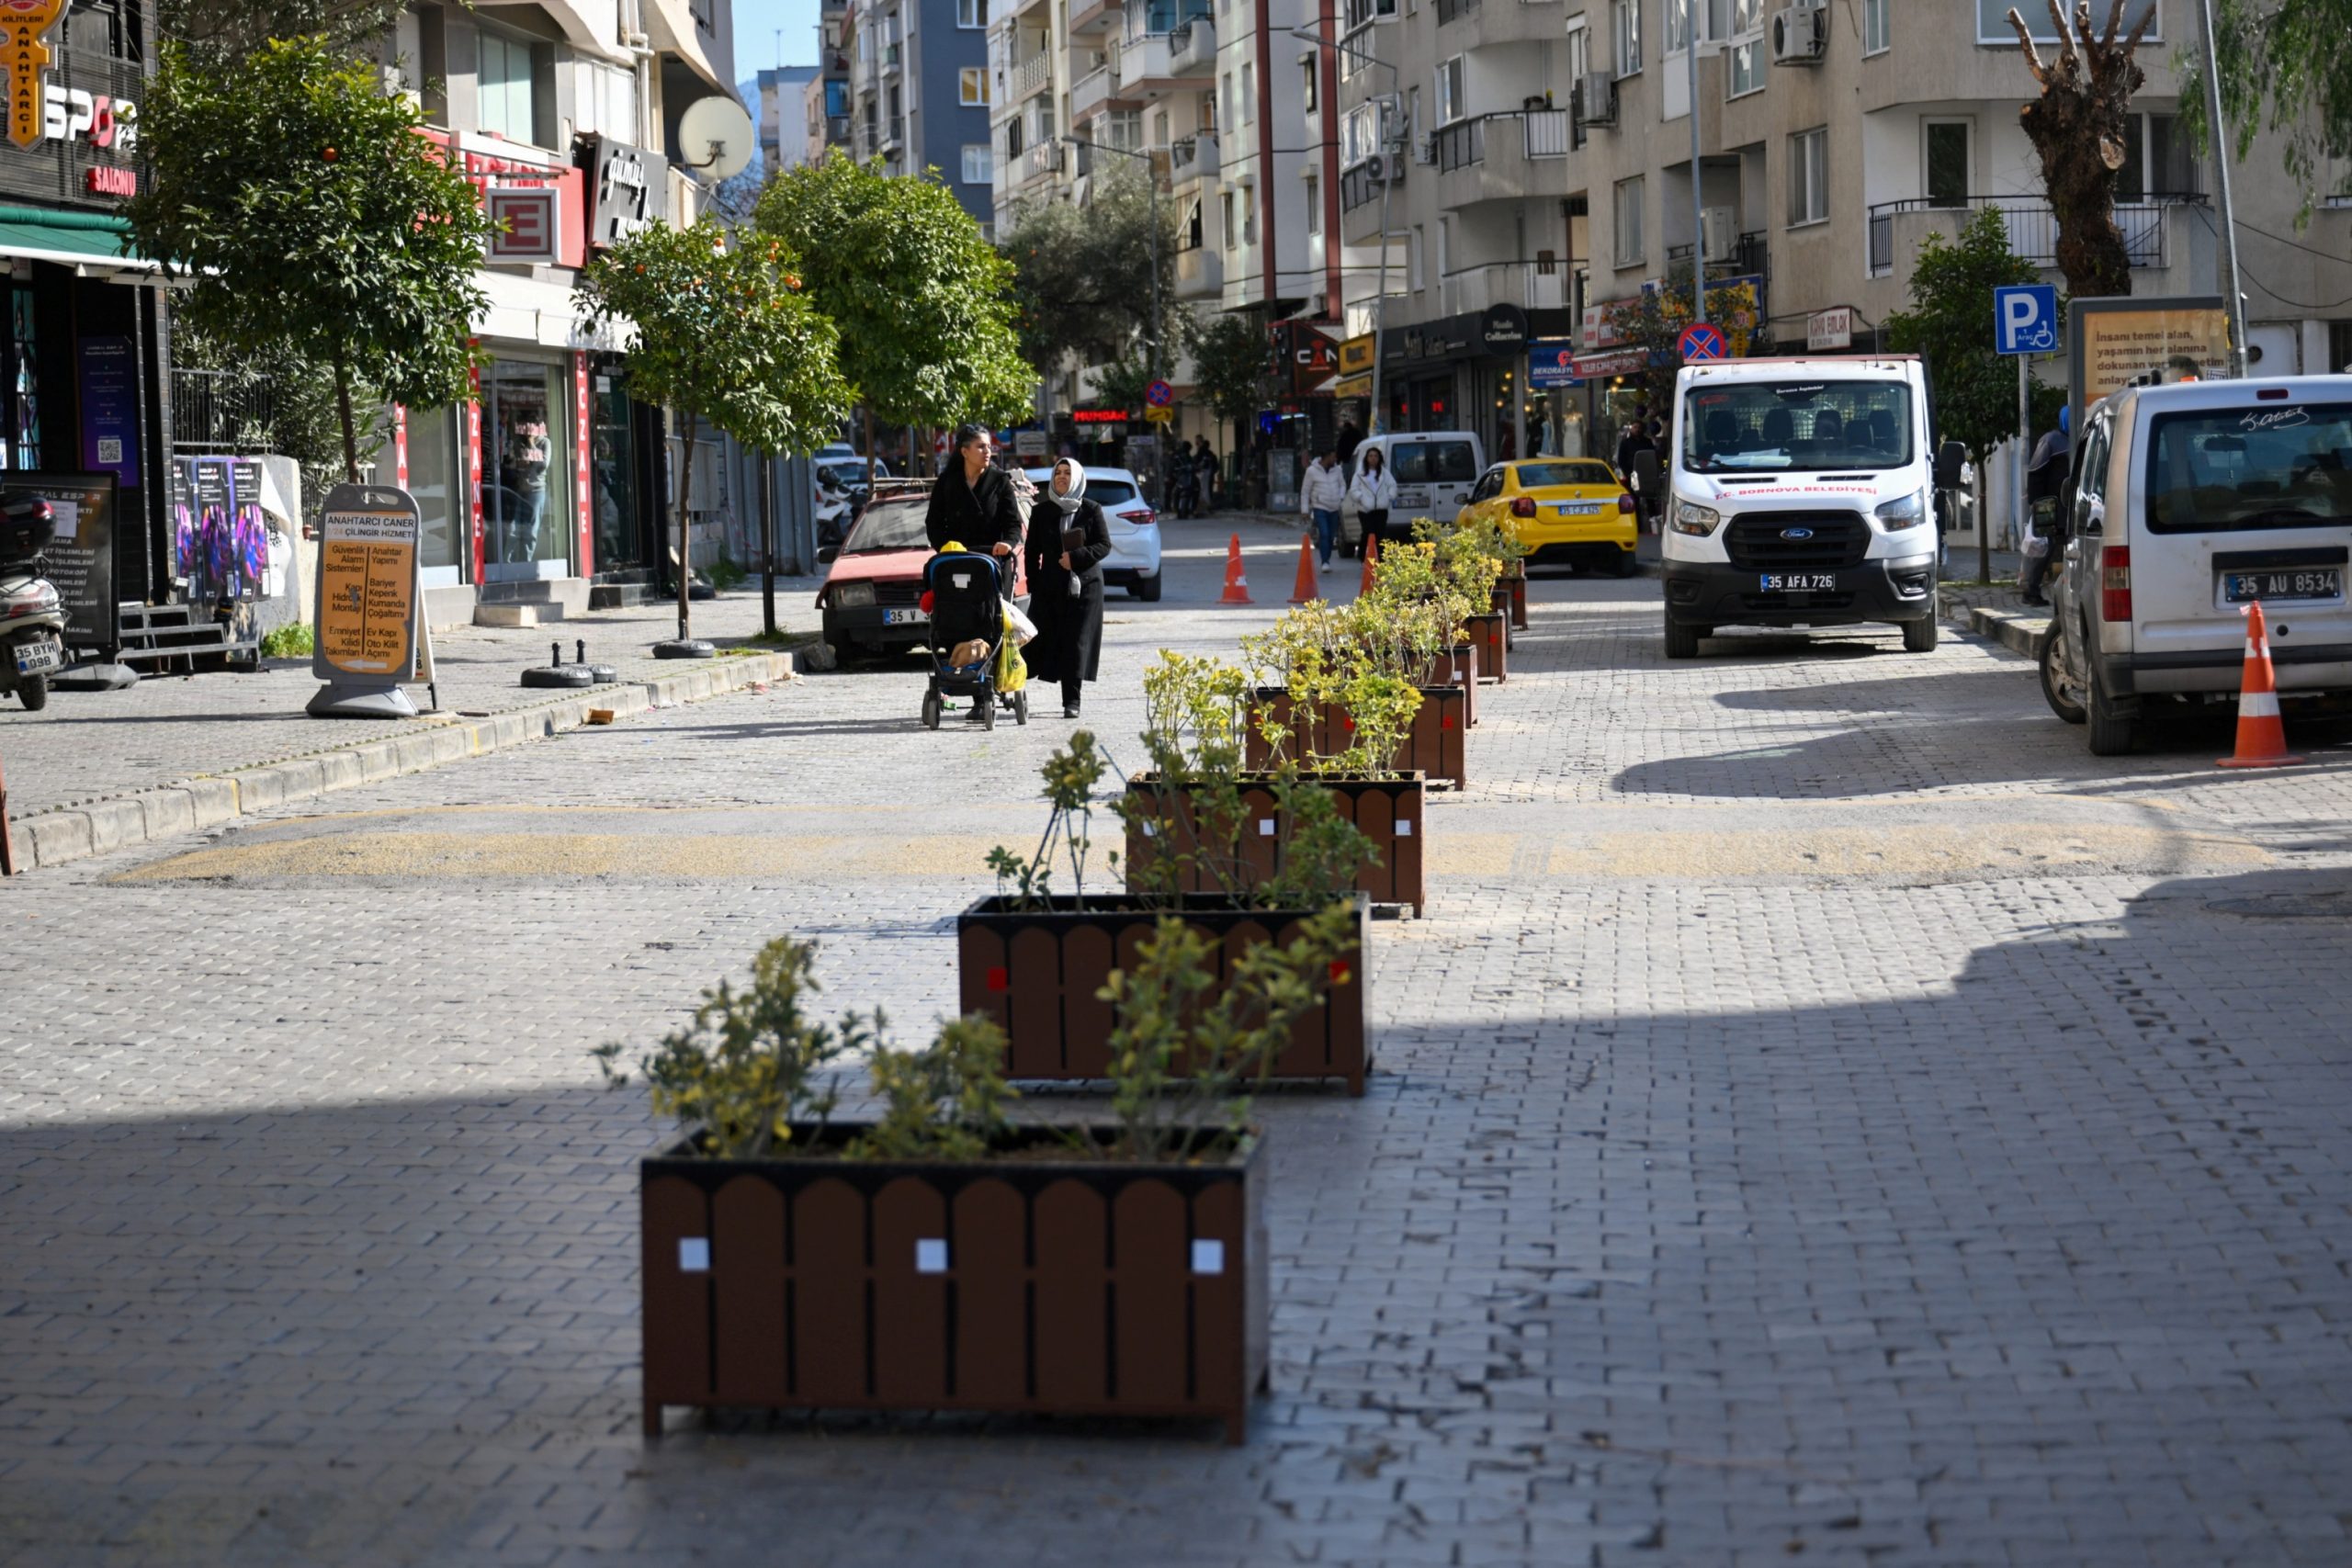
[{"x": 714, "y": 137}]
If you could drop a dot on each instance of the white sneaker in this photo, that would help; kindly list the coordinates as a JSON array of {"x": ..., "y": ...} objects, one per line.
[{"x": 1327, "y": 568}]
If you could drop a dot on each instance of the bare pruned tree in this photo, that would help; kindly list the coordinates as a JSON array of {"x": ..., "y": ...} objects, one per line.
[{"x": 2078, "y": 126}]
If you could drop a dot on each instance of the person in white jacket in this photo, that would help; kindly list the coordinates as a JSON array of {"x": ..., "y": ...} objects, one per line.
[
  {"x": 1374, "y": 492},
  {"x": 1320, "y": 495}
]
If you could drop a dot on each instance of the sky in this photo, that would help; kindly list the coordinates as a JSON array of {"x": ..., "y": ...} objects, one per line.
[{"x": 756, "y": 22}]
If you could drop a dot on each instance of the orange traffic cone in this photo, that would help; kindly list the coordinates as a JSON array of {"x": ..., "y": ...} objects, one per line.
[
  {"x": 1237, "y": 584},
  {"x": 1304, "y": 589},
  {"x": 2262, "y": 739},
  {"x": 1371, "y": 554}
]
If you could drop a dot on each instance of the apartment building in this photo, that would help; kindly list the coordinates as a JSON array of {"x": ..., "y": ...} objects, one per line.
[
  {"x": 825, "y": 100},
  {"x": 783, "y": 92},
  {"x": 1536, "y": 160},
  {"x": 546, "y": 488},
  {"x": 919, "y": 92}
]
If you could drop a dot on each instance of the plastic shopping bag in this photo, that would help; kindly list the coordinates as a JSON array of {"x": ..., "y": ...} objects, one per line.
[
  {"x": 1011, "y": 670},
  {"x": 1022, "y": 628}
]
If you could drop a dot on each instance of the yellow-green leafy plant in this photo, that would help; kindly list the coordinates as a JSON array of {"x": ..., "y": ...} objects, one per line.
[
  {"x": 945, "y": 1101},
  {"x": 1071, "y": 776}
]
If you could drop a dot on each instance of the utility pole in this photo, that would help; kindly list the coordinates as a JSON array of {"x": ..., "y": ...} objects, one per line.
[
  {"x": 1698, "y": 187},
  {"x": 2220, "y": 136},
  {"x": 1391, "y": 146}
]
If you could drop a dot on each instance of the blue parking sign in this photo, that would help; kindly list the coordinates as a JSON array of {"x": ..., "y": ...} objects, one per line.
[{"x": 2025, "y": 319}]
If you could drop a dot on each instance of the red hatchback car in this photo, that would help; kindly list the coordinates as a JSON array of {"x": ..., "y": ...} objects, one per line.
[{"x": 873, "y": 590}]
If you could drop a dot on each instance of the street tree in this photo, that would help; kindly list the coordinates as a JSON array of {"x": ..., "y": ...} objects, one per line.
[
  {"x": 301, "y": 207},
  {"x": 1950, "y": 326},
  {"x": 2079, "y": 126},
  {"x": 1653, "y": 321},
  {"x": 1080, "y": 272},
  {"x": 726, "y": 333},
  {"x": 2285, "y": 66},
  {"x": 218, "y": 31},
  {"x": 1228, "y": 363},
  {"x": 922, "y": 299}
]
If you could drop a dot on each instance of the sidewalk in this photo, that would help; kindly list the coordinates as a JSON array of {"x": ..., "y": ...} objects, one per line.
[
  {"x": 94, "y": 771},
  {"x": 1995, "y": 610}
]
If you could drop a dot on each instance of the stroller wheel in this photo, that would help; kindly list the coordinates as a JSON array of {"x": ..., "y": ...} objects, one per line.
[
  {"x": 931, "y": 710},
  {"x": 1020, "y": 707},
  {"x": 988, "y": 710}
]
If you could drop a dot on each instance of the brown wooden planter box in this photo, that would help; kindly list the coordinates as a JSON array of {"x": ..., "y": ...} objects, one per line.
[
  {"x": 1024, "y": 1285},
  {"x": 1433, "y": 747},
  {"x": 1491, "y": 633},
  {"x": 1500, "y": 601},
  {"x": 1036, "y": 972},
  {"x": 1516, "y": 585},
  {"x": 1459, "y": 668},
  {"x": 1390, "y": 812}
]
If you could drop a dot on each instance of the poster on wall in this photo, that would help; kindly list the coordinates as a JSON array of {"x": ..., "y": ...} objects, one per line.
[
  {"x": 81, "y": 558},
  {"x": 109, "y": 370},
  {"x": 248, "y": 531}
]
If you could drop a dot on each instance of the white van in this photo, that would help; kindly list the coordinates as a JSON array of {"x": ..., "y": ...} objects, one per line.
[
  {"x": 1801, "y": 493},
  {"x": 1434, "y": 470},
  {"x": 2189, "y": 503}
]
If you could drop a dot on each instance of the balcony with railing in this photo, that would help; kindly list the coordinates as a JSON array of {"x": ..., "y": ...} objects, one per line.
[
  {"x": 1030, "y": 76},
  {"x": 1495, "y": 157},
  {"x": 1095, "y": 91},
  {"x": 1364, "y": 13},
  {"x": 1360, "y": 184},
  {"x": 1747, "y": 259},
  {"x": 1041, "y": 162},
  {"x": 1524, "y": 284},
  {"x": 1451, "y": 11},
  {"x": 1089, "y": 16},
  {"x": 1897, "y": 228},
  {"x": 1192, "y": 48},
  {"x": 1192, "y": 157},
  {"x": 1200, "y": 273}
]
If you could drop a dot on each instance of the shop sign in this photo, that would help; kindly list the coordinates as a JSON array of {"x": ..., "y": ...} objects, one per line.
[
  {"x": 368, "y": 598},
  {"x": 529, "y": 224},
  {"x": 1830, "y": 329},
  {"x": 80, "y": 560},
  {"x": 1617, "y": 362},
  {"x": 1552, "y": 364},
  {"x": 1352, "y": 387},
  {"x": 1355, "y": 356},
  {"x": 487, "y": 172},
  {"x": 23, "y": 25},
  {"x": 1098, "y": 416},
  {"x": 110, "y": 368},
  {"x": 1503, "y": 326},
  {"x": 582, "y": 440},
  {"x": 2113, "y": 343},
  {"x": 623, "y": 198}
]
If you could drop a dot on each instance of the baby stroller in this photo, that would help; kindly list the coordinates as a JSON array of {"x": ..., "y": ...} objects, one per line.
[{"x": 966, "y": 608}]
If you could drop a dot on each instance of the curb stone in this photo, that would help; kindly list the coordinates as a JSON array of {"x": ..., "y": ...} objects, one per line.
[{"x": 99, "y": 827}]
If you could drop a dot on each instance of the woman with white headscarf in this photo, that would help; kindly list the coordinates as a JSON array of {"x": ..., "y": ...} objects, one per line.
[{"x": 1068, "y": 536}]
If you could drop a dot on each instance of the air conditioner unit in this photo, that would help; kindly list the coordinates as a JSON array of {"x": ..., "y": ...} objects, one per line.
[
  {"x": 1721, "y": 233},
  {"x": 1424, "y": 149},
  {"x": 1057, "y": 157},
  {"x": 1378, "y": 168},
  {"x": 1800, "y": 36},
  {"x": 1594, "y": 99}
]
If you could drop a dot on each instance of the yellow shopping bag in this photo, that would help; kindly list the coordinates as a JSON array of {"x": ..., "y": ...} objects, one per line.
[{"x": 1011, "y": 670}]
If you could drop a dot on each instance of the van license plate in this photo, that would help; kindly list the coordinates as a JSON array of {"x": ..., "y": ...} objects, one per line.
[
  {"x": 1799, "y": 581},
  {"x": 2246, "y": 587},
  {"x": 903, "y": 617}
]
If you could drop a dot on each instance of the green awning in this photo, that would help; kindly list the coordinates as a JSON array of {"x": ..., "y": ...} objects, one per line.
[{"x": 69, "y": 239}]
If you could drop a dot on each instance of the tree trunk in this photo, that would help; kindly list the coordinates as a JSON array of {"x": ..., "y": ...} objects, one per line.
[
  {"x": 685, "y": 570},
  {"x": 2078, "y": 126},
  {"x": 350, "y": 431}
]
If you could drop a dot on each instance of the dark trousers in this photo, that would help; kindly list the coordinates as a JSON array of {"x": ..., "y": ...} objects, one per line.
[
  {"x": 2036, "y": 568},
  {"x": 1375, "y": 525}
]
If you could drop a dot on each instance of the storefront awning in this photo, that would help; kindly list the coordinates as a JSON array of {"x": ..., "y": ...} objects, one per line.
[{"x": 96, "y": 242}]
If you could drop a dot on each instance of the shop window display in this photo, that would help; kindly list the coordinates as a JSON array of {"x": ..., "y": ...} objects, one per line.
[{"x": 527, "y": 495}]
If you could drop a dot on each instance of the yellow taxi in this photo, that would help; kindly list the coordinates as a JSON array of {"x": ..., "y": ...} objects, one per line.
[{"x": 1567, "y": 511}]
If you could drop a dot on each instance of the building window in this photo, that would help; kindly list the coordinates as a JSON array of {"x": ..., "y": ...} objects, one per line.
[
  {"x": 1993, "y": 27},
  {"x": 1232, "y": 234},
  {"x": 607, "y": 101},
  {"x": 1808, "y": 177},
  {"x": 2339, "y": 347},
  {"x": 1225, "y": 87},
  {"x": 1877, "y": 34},
  {"x": 1626, "y": 18},
  {"x": 979, "y": 166},
  {"x": 1314, "y": 205},
  {"x": 972, "y": 86},
  {"x": 1747, "y": 52},
  {"x": 1450, "y": 103},
  {"x": 1630, "y": 248},
  {"x": 1947, "y": 161},
  {"x": 1247, "y": 110},
  {"x": 971, "y": 12},
  {"x": 836, "y": 98},
  {"x": 1360, "y": 134},
  {"x": 1306, "y": 83},
  {"x": 1579, "y": 49},
  {"x": 1413, "y": 276},
  {"x": 2157, "y": 159},
  {"x": 504, "y": 87},
  {"x": 1206, "y": 110}
]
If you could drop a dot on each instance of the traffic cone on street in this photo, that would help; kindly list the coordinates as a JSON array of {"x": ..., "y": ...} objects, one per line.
[
  {"x": 2262, "y": 739},
  {"x": 1370, "y": 553},
  {"x": 1304, "y": 589},
  {"x": 1237, "y": 584}
]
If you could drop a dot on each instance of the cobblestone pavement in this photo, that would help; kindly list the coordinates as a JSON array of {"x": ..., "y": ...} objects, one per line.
[{"x": 1825, "y": 1117}]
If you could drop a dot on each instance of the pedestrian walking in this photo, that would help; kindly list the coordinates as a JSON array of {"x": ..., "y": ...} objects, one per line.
[
  {"x": 1320, "y": 495},
  {"x": 1374, "y": 492},
  {"x": 2045, "y": 482},
  {"x": 1204, "y": 473},
  {"x": 1065, "y": 559},
  {"x": 972, "y": 505}
]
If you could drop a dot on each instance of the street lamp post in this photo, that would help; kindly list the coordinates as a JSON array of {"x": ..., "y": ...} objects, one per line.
[
  {"x": 1151, "y": 175},
  {"x": 1380, "y": 300}
]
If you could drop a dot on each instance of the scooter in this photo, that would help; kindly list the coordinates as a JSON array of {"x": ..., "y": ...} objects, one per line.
[
  {"x": 833, "y": 514},
  {"x": 32, "y": 617}
]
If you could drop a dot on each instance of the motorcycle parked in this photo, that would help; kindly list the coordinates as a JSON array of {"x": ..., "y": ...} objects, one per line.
[{"x": 32, "y": 617}]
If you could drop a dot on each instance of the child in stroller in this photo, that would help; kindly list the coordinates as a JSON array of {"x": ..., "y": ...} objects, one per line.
[{"x": 967, "y": 640}]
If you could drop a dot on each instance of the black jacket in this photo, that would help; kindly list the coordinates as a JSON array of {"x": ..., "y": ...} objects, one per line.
[
  {"x": 1044, "y": 550},
  {"x": 978, "y": 516}
]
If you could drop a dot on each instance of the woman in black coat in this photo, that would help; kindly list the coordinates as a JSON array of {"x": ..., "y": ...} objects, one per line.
[
  {"x": 972, "y": 505},
  {"x": 1068, "y": 536}
]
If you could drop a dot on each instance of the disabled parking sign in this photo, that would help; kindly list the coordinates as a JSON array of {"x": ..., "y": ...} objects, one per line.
[{"x": 2025, "y": 319}]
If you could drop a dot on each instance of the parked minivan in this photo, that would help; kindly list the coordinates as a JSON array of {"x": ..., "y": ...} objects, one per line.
[
  {"x": 2189, "y": 502},
  {"x": 1434, "y": 470},
  {"x": 1801, "y": 494}
]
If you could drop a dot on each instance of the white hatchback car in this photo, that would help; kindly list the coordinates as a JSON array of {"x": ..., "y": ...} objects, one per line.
[{"x": 1134, "y": 561}]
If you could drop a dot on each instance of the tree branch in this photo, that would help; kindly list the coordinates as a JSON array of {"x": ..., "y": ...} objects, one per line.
[{"x": 2032, "y": 55}]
